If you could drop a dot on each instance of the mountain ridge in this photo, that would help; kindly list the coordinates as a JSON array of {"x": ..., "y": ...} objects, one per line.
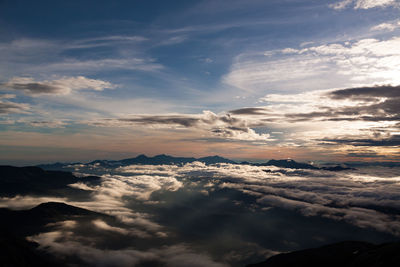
[{"x": 164, "y": 159}]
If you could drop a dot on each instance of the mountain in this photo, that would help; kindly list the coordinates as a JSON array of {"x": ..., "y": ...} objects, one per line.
[
  {"x": 16, "y": 225},
  {"x": 169, "y": 160},
  {"x": 24, "y": 180},
  {"x": 141, "y": 160},
  {"x": 344, "y": 254},
  {"x": 19, "y": 252},
  {"x": 15, "y": 221},
  {"x": 157, "y": 160},
  {"x": 336, "y": 168},
  {"x": 287, "y": 163},
  {"x": 215, "y": 159}
]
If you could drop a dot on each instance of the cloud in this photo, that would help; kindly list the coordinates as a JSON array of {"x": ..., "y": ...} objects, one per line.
[
  {"x": 60, "y": 57},
  {"x": 7, "y": 107},
  {"x": 364, "y": 4},
  {"x": 367, "y": 92},
  {"x": 249, "y": 111},
  {"x": 233, "y": 207},
  {"x": 136, "y": 63},
  {"x": 44, "y": 123},
  {"x": 334, "y": 65},
  {"x": 353, "y": 196},
  {"x": 61, "y": 86},
  {"x": 392, "y": 140},
  {"x": 218, "y": 125},
  {"x": 387, "y": 26},
  {"x": 177, "y": 255}
]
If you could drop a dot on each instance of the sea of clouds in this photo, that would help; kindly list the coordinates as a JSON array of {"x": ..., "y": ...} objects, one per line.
[{"x": 218, "y": 215}]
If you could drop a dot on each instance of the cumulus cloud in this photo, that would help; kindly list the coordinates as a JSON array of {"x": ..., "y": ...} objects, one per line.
[
  {"x": 364, "y": 4},
  {"x": 61, "y": 86}
]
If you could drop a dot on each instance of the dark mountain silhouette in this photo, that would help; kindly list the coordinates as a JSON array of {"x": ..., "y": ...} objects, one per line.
[
  {"x": 142, "y": 160},
  {"x": 16, "y": 225},
  {"x": 287, "y": 163},
  {"x": 337, "y": 168},
  {"x": 344, "y": 254},
  {"x": 18, "y": 252},
  {"x": 157, "y": 160},
  {"x": 32, "y": 221},
  {"x": 24, "y": 180},
  {"x": 215, "y": 159},
  {"x": 168, "y": 160}
]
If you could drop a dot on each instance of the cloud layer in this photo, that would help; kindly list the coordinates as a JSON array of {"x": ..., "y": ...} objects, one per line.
[{"x": 218, "y": 215}]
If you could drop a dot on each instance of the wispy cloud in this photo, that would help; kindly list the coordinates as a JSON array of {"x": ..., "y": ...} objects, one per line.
[
  {"x": 364, "y": 4},
  {"x": 366, "y": 61},
  {"x": 62, "y": 86},
  {"x": 387, "y": 26},
  {"x": 223, "y": 125},
  {"x": 7, "y": 106}
]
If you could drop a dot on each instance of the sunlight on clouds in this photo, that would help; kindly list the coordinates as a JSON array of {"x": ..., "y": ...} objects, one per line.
[
  {"x": 367, "y": 61},
  {"x": 177, "y": 255},
  {"x": 387, "y": 26},
  {"x": 25, "y": 202},
  {"x": 364, "y": 4}
]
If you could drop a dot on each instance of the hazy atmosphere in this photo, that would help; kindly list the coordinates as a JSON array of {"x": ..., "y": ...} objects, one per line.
[{"x": 199, "y": 133}]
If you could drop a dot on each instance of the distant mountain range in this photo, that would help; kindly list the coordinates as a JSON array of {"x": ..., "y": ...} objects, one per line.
[
  {"x": 344, "y": 254},
  {"x": 170, "y": 160}
]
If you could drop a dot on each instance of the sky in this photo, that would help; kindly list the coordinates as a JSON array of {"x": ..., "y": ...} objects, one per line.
[{"x": 308, "y": 80}]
